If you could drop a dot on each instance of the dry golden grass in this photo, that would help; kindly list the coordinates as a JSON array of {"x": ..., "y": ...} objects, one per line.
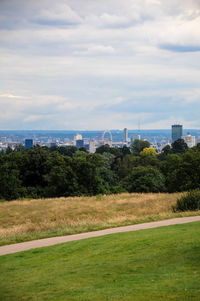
[{"x": 31, "y": 219}]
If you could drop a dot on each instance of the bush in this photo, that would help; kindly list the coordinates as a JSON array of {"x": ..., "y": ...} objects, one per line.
[{"x": 188, "y": 202}]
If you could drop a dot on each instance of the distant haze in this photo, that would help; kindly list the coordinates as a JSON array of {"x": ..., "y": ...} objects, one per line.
[{"x": 109, "y": 64}]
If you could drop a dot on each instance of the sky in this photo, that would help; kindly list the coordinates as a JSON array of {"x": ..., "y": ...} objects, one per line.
[{"x": 95, "y": 65}]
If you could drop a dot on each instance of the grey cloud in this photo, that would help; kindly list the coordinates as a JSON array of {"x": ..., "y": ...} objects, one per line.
[{"x": 180, "y": 48}]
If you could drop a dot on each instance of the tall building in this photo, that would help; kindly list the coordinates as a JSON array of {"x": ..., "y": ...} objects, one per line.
[
  {"x": 125, "y": 135},
  {"x": 92, "y": 147},
  {"x": 79, "y": 143},
  {"x": 189, "y": 140},
  {"x": 28, "y": 143},
  {"x": 177, "y": 132}
]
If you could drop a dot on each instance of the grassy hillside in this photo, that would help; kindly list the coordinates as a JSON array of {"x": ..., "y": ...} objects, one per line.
[
  {"x": 32, "y": 219},
  {"x": 157, "y": 264}
]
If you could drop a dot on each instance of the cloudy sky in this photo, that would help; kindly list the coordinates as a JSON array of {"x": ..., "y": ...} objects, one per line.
[{"x": 90, "y": 64}]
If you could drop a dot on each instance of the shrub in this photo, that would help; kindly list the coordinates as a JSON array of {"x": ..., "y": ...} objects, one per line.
[{"x": 188, "y": 202}]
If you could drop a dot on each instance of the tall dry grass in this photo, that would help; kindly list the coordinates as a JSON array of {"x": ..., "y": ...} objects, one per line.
[{"x": 31, "y": 219}]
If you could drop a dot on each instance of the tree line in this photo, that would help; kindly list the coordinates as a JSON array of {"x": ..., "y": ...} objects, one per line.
[{"x": 67, "y": 171}]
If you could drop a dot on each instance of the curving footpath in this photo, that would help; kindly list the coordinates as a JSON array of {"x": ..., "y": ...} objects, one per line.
[{"x": 19, "y": 247}]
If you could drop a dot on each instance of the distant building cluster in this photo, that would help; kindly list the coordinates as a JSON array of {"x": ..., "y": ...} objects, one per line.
[{"x": 90, "y": 144}]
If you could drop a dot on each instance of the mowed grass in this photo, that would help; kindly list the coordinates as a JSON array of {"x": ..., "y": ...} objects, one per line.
[
  {"x": 25, "y": 220},
  {"x": 146, "y": 265}
]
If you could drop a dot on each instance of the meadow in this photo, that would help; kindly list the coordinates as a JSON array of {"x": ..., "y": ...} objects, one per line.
[
  {"x": 24, "y": 220},
  {"x": 155, "y": 264}
]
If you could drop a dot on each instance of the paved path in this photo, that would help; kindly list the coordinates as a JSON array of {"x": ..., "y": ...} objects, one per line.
[{"x": 61, "y": 239}]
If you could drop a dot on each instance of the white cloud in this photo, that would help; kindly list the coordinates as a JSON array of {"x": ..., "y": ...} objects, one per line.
[
  {"x": 9, "y": 96},
  {"x": 59, "y": 12},
  {"x": 95, "y": 50},
  {"x": 74, "y": 62}
]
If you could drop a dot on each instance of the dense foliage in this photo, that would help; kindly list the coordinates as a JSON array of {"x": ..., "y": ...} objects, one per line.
[
  {"x": 188, "y": 202},
  {"x": 66, "y": 171}
]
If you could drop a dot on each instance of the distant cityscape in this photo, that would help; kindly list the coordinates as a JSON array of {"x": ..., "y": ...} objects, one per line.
[{"x": 90, "y": 140}]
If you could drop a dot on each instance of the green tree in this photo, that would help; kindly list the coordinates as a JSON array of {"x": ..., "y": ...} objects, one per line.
[
  {"x": 138, "y": 145},
  {"x": 169, "y": 168},
  {"x": 124, "y": 165},
  {"x": 182, "y": 172},
  {"x": 125, "y": 150},
  {"x": 9, "y": 150},
  {"x": 60, "y": 179},
  {"x": 19, "y": 148},
  {"x": 167, "y": 150},
  {"x": 33, "y": 169},
  {"x": 10, "y": 183},
  {"x": 107, "y": 174},
  {"x": 179, "y": 146},
  {"x": 86, "y": 167},
  {"x": 68, "y": 150},
  {"x": 144, "y": 179},
  {"x": 116, "y": 151}
]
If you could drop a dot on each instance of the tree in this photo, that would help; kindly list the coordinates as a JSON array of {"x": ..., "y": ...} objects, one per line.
[
  {"x": 19, "y": 148},
  {"x": 83, "y": 149},
  {"x": 167, "y": 150},
  {"x": 9, "y": 150},
  {"x": 138, "y": 145},
  {"x": 103, "y": 149},
  {"x": 179, "y": 146},
  {"x": 66, "y": 150},
  {"x": 148, "y": 151},
  {"x": 125, "y": 150},
  {"x": 116, "y": 151},
  {"x": 60, "y": 179},
  {"x": 144, "y": 179},
  {"x": 10, "y": 182},
  {"x": 183, "y": 172},
  {"x": 34, "y": 168},
  {"x": 168, "y": 168},
  {"x": 87, "y": 167},
  {"x": 108, "y": 175}
]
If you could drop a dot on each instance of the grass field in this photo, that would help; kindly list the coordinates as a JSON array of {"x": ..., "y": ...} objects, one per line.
[
  {"x": 25, "y": 220},
  {"x": 147, "y": 265}
]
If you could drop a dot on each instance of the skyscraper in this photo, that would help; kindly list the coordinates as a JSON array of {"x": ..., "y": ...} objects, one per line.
[
  {"x": 125, "y": 135},
  {"x": 177, "y": 132},
  {"x": 79, "y": 143},
  {"x": 28, "y": 143},
  {"x": 92, "y": 147}
]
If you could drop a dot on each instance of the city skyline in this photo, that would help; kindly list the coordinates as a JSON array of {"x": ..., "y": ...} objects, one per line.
[{"x": 99, "y": 65}]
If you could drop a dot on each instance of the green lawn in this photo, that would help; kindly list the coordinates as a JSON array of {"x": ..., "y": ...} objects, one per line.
[{"x": 157, "y": 264}]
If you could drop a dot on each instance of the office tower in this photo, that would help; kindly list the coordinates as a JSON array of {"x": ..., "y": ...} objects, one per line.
[
  {"x": 125, "y": 135},
  {"x": 189, "y": 140},
  {"x": 92, "y": 147},
  {"x": 177, "y": 132},
  {"x": 79, "y": 143},
  {"x": 28, "y": 143}
]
